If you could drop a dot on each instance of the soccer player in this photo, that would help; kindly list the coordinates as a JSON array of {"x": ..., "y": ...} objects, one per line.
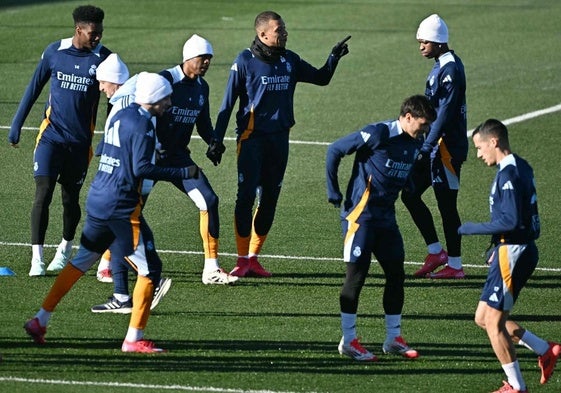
[
  {"x": 443, "y": 152},
  {"x": 514, "y": 227},
  {"x": 190, "y": 107},
  {"x": 112, "y": 73},
  {"x": 384, "y": 154},
  {"x": 63, "y": 146},
  {"x": 264, "y": 77},
  {"x": 114, "y": 203}
]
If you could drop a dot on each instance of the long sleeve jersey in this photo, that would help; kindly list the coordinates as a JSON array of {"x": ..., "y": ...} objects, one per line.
[
  {"x": 266, "y": 91},
  {"x": 73, "y": 100},
  {"x": 446, "y": 90},
  {"x": 384, "y": 156},
  {"x": 189, "y": 107},
  {"x": 125, "y": 160},
  {"x": 513, "y": 204}
]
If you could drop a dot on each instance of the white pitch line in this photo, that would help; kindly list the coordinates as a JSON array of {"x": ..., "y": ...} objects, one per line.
[
  {"x": 293, "y": 257},
  {"x": 135, "y": 385},
  {"x": 512, "y": 120},
  {"x": 295, "y": 142},
  {"x": 527, "y": 116}
]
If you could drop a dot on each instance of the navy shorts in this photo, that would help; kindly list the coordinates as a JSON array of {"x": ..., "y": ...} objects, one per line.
[
  {"x": 67, "y": 163},
  {"x": 445, "y": 170},
  {"x": 511, "y": 267},
  {"x": 360, "y": 242},
  {"x": 129, "y": 240}
]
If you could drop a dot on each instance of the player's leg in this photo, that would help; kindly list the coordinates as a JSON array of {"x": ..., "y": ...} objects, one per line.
[
  {"x": 411, "y": 197},
  {"x": 357, "y": 266},
  {"x": 447, "y": 170},
  {"x": 72, "y": 176},
  {"x": 47, "y": 159},
  {"x": 146, "y": 262},
  {"x": 44, "y": 188},
  {"x": 95, "y": 238},
  {"x": 389, "y": 251},
  {"x": 275, "y": 160},
  {"x": 510, "y": 268},
  {"x": 201, "y": 193},
  {"x": 120, "y": 301},
  {"x": 249, "y": 164},
  {"x": 104, "y": 273}
]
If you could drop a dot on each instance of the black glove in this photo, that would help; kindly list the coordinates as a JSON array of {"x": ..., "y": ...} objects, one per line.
[
  {"x": 191, "y": 172},
  {"x": 423, "y": 159},
  {"x": 341, "y": 49},
  {"x": 215, "y": 151}
]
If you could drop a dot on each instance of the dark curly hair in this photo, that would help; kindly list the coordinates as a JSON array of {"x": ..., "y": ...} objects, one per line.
[{"x": 88, "y": 14}]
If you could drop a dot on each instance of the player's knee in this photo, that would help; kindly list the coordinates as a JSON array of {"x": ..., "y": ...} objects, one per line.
[
  {"x": 479, "y": 321},
  {"x": 44, "y": 188},
  {"x": 410, "y": 198},
  {"x": 70, "y": 198},
  {"x": 91, "y": 245},
  {"x": 348, "y": 300},
  {"x": 212, "y": 202}
]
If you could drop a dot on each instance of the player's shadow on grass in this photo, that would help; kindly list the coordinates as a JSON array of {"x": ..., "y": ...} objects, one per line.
[{"x": 237, "y": 356}]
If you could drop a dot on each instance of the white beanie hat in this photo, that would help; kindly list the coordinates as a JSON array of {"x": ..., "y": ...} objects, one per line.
[
  {"x": 151, "y": 88},
  {"x": 113, "y": 70},
  {"x": 196, "y": 46},
  {"x": 433, "y": 29}
]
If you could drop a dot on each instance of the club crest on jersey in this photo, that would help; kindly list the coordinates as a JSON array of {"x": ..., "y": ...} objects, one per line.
[
  {"x": 431, "y": 80},
  {"x": 288, "y": 67},
  {"x": 150, "y": 245},
  {"x": 365, "y": 136},
  {"x": 357, "y": 251},
  {"x": 201, "y": 100},
  {"x": 93, "y": 69}
]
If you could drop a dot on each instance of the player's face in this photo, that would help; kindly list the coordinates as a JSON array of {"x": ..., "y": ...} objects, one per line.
[
  {"x": 486, "y": 149},
  {"x": 108, "y": 88},
  {"x": 416, "y": 126},
  {"x": 274, "y": 34},
  {"x": 197, "y": 66},
  {"x": 88, "y": 35},
  {"x": 428, "y": 49},
  {"x": 160, "y": 107}
]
